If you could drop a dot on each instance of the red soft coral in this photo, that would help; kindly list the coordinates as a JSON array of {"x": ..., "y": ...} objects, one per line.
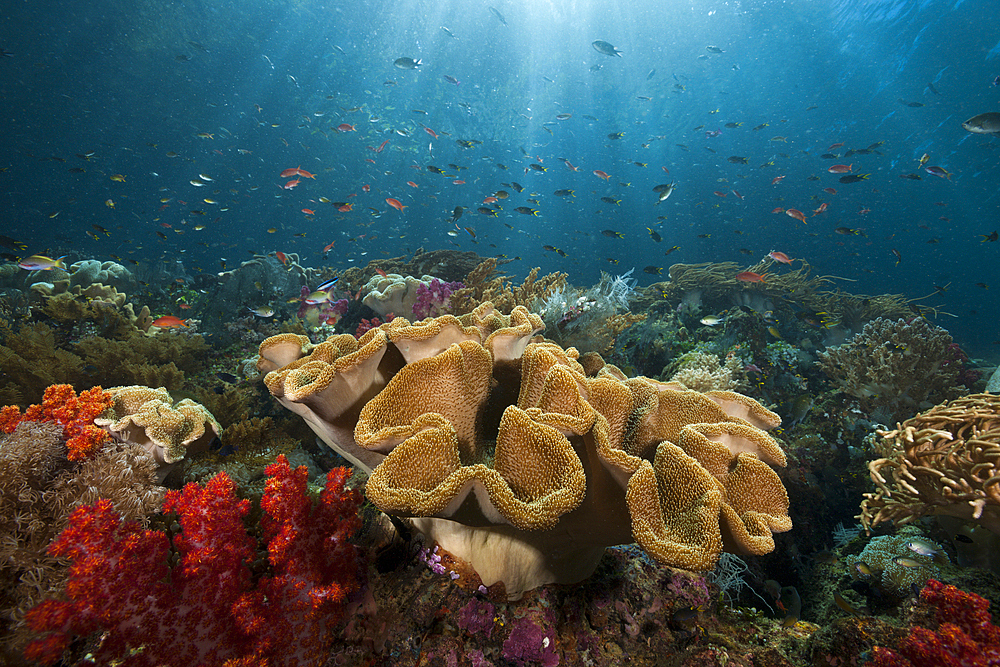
[
  {"x": 205, "y": 610},
  {"x": 966, "y": 636},
  {"x": 74, "y": 413}
]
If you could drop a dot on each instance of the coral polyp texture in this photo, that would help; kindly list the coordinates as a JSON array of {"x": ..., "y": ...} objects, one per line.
[
  {"x": 512, "y": 458},
  {"x": 942, "y": 461},
  {"x": 149, "y": 418}
]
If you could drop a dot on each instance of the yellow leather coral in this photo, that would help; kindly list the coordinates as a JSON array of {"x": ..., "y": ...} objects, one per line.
[
  {"x": 510, "y": 457},
  {"x": 166, "y": 430}
]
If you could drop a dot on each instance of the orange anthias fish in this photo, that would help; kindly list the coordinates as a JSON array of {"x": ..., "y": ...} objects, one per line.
[
  {"x": 366, "y": 188},
  {"x": 169, "y": 322},
  {"x": 309, "y": 211},
  {"x": 291, "y": 184},
  {"x": 797, "y": 214},
  {"x": 840, "y": 168},
  {"x": 778, "y": 210},
  {"x": 345, "y": 208},
  {"x": 776, "y": 180},
  {"x": 779, "y": 257},
  {"x": 821, "y": 209},
  {"x": 345, "y": 127},
  {"x": 395, "y": 203},
  {"x": 282, "y": 257},
  {"x": 601, "y": 174},
  {"x": 431, "y": 132},
  {"x": 327, "y": 248},
  {"x": 304, "y": 174},
  {"x": 412, "y": 184},
  {"x": 382, "y": 273},
  {"x": 288, "y": 173},
  {"x": 749, "y": 277}
]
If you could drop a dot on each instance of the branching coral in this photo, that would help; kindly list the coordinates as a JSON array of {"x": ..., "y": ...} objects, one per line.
[
  {"x": 516, "y": 461},
  {"x": 895, "y": 366},
  {"x": 703, "y": 372},
  {"x": 943, "y": 461},
  {"x": 121, "y": 583},
  {"x": 482, "y": 286}
]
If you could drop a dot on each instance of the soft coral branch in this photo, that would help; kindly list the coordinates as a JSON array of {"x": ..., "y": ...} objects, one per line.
[{"x": 205, "y": 610}]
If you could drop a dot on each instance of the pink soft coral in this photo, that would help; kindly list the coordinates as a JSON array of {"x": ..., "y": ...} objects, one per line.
[{"x": 205, "y": 610}]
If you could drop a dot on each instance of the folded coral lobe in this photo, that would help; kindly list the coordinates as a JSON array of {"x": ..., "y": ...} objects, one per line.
[{"x": 507, "y": 454}]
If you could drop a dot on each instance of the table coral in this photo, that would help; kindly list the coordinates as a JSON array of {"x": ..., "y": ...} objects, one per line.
[
  {"x": 515, "y": 461},
  {"x": 205, "y": 610},
  {"x": 942, "y": 461}
]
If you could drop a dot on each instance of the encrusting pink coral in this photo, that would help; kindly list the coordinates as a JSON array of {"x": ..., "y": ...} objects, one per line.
[
  {"x": 75, "y": 414},
  {"x": 205, "y": 610}
]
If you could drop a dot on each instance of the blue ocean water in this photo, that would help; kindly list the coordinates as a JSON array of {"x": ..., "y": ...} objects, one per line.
[{"x": 100, "y": 89}]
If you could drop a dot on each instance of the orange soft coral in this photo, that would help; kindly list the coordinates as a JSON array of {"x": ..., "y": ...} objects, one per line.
[{"x": 74, "y": 413}]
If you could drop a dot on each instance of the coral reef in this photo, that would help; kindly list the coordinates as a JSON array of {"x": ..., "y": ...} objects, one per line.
[
  {"x": 75, "y": 414},
  {"x": 589, "y": 320},
  {"x": 883, "y": 555},
  {"x": 481, "y": 287},
  {"x": 248, "y": 447},
  {"x": 393, "y": 293},
  {"x": 942, "y": 461},
  {"x": 896, "y": 367},
  {"x": 434, "y": 298},
  {"x": 167, "y": 431},
  {"x": 39, "y": 487},
  {"x": 122, "y": 586},
  {"x": 515, "y": 461},
  {"x": 959, "y": 632},
  {"x": 703, "y": 372}
]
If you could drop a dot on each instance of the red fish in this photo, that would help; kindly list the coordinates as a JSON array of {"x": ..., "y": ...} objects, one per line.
[
  {"x": 345, "y": 208},
  {"x": 282, "y": 257},
  {"x": 830, "y": 191},
  {"x": 366, "y": 188},
  {"x": 345, "y": 127},
  {"x": 719, "y": 194},
  {"x": 382, "y": 273},
  {"x": 288, "y": 173},
  {"x": 821, "y": 209},
  {"x": 412, "y": 184},
  {"x": 776, "y": 180},
  {"x": 327, "y": 248},
  {"x": 836, "y": 145},
  {"x": 490, "y": 200},
  {"x": 778, "y": 210},
  {"x": 458, "y": 182},
  {"x": 304, "y": 174},
  {"x": 291, "y": 184},
  {"x": 395, "y": 203},
  {"x": 169, "y": 322},
  {"x": 309, "y": 211},
  {"x": 749, "y": 277},
  {"x": 380, "y": 146},
  {"x": 840, "y": 168},
  {"x": 779, "y": 257},
  {"x": 601, "y": 174},
  {"x": 431, "y": 132},
  {"x": 797, "y": 214}
]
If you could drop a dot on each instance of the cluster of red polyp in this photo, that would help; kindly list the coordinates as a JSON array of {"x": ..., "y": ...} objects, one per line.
[
  {"x": 74, "y": 413},
  {"x": 367, "y": 325},
  {"x": 965, "y": 636},
  {"x": 206, "y": 610}
]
